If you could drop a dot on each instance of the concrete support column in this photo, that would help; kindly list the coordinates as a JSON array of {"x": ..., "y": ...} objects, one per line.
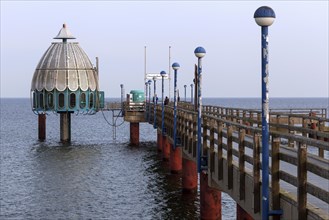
[
  {"x": 159, "y": 141},
  {"x": 42, "y": 126},
  {"x": 241, "y": 214},
  {"x": 210, "y": 199},
  {"x": 190, "y": 176},
  {"x": 134, "y": 133},
  {"x": 165, "y": 148},
  {"x": 176, "y": 164},
  {"x": 65, "y": 127}
]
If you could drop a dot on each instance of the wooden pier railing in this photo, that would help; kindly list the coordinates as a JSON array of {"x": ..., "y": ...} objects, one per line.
[{"x": 231, "y": 138}]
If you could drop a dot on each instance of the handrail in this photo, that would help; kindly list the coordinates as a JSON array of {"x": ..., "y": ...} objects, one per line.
[{"x": 224, "y": 130}]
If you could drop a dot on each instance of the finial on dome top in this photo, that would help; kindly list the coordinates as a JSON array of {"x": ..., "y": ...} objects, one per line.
[{"x": 64, "y": 34}]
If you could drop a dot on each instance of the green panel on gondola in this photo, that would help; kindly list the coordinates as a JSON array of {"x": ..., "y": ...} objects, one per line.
[
  {"x": 137, "y": 95},
  {"x": 101, "y": 99}
]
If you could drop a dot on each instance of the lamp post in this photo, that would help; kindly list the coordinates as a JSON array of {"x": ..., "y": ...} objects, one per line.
[
  {"x": 199, "y": 53},
  {"x": 146, "y": 94},
  {"x": 175, "y": 66},
  {"x": 146, "y": 91},
  {"x": 264, "y": 17},
  {"x": 191, "y": 93},
  {"x": 155, "y": 102},
  {"x": 163, "y": 74},
  {"x": 149, "y": 105},
  {"x": 122, "y": 98},
  {"x": 185, "y": 92}
]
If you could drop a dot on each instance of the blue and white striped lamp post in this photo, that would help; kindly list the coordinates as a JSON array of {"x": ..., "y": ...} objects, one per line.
[
  {"x": 163, "y": 74},
  {"x": 199, "y": 53},
  {"x": 175, "y": 66},
  {"x": 155, "y": 102},
  {"x": 264, "y": 17},
  {"x": 149, "y": 105}
]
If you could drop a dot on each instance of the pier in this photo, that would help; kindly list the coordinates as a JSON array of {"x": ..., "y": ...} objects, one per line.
[
  {"x": 274, "y": 163},
  {"x": 231, "y": 157}
]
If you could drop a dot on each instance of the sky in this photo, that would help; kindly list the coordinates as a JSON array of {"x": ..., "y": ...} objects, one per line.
[{"x": 118, "y": 31}]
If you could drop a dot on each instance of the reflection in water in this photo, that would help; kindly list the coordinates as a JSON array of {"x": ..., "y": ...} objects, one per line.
[{"x": 172, "y": 202}]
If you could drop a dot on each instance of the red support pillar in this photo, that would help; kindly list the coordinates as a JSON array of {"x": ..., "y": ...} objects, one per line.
[
  {"x": 210, "y": 199},
  {"x": 134, "y": 133},
  {"x": 176, "y": 165},
  {"x": 159, "y": 141},
  {"x": 42, "y": 126},
  {"x": 165, "y": 148},
  {"x": 190, "y": 176},
  {"x": 241, "y": 214}
]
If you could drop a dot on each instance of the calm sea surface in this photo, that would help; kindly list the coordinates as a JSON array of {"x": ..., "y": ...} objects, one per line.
[{"x": 97, "y": 177}]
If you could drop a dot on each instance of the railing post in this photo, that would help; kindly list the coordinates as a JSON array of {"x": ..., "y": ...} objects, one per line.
[
  {"x": 302, "y": 181},
  {"x": 256, "y": 173},
  {"x": 211, "y": 155},
  {"x": 195, "y": 136},
  {"x": 220, "y": 150},
  {"x": 244, "y": 117},
  {"x": 275, "y": 170},
  {"x": 204, "y": 152},
  {"x": 321, "y": 129},
  {"x": 242, "y": 134},
  {"x": 304, "y": 124},
  {"x": 229, "y": 157},
  {"x": 259, "y": 120},
  {"x": 251, "y": 118},
  {"x": 185, "y": 128},
  {"x": 291, "y": 124},
  {"x": 190, "y": 132},
  {"x": 278, "y": 122}
]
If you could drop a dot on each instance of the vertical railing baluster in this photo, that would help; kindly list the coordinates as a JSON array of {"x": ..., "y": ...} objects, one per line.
[
  {"x": 290, "y": 124},
  {"x": 211, "y": 155},
  {"x": 302, "y": 181},
  {"x": 304, "y": 124},
  {"x": 275, "y": 171},
  {"x": 242, "y": 134},
  {"x": 204, "y": 135},
  {"x": 220, "y": 150},
  {"x": 195, "y": 133},
  {"x": 185, "y": 130},
  {"x": 190, "y": 140},
  {"x": 259, "y": 119},
  {"x": 229, "y": 157},
  {"x": 256, "y": 173},
  {"x": 321, "y": 129}
]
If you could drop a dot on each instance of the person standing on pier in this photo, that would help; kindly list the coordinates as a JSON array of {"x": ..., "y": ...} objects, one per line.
[{"x": 166, "y": 101}]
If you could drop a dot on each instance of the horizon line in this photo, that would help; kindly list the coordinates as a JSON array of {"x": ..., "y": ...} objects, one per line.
[{"x": 189, "y": 97}]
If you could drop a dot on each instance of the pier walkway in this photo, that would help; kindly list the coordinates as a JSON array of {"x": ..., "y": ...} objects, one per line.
[{"x": 231, "y": 152}]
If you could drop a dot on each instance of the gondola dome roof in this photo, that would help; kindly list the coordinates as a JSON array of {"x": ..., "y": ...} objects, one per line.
[{"x": 64, "y": 66}]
